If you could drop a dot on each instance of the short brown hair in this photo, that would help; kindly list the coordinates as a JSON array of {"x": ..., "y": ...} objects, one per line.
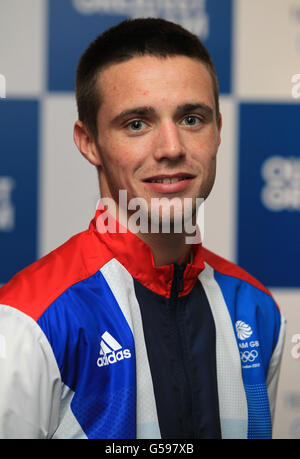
[{"x": 128, "y": 39}]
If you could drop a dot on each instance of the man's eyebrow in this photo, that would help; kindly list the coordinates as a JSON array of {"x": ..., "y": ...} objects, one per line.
[
  {"x": 192, "y": 107},
  {"x": 135, "y": 111}
]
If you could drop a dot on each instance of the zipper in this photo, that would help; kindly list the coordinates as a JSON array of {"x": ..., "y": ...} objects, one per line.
[{"x": 184, "y": 401}]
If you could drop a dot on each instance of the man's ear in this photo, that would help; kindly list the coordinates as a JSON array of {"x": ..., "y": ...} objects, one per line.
[{"x": 86, "y": 144}]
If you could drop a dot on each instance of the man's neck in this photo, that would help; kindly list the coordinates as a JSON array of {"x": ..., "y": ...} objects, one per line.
[{"x": 167, "y": 248}]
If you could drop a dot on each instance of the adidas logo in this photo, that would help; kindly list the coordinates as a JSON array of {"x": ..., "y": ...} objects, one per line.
[{"x": 111, "y": 351}]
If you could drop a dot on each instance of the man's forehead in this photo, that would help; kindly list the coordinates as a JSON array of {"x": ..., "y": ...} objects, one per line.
[
  {"x": 148, "y": 64},
  {"x": 147, "y": 75}
]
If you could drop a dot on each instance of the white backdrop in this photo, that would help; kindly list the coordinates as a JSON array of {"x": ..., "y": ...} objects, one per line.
[{"x": 264, "y": 56}]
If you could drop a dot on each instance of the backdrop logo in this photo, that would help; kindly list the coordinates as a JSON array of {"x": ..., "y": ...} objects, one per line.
[
  {"x": 269, "y": 192},
  {"x": 18, "y": 185},
  {"x": 190, "y": 14},
  {"x": 282, "y": 184},
  {"x": 7, "y": 210},
  {"x": 210, "y": 20}
]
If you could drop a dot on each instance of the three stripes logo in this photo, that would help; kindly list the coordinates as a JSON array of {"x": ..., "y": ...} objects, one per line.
[{"x": 111, "y": 351}]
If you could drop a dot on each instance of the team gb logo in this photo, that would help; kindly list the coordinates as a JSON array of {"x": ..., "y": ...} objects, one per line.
[{"x": 243, "y": 330}]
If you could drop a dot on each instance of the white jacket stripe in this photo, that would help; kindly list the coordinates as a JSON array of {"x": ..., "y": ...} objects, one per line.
[
  {"x": 232, "y": 397},
  {"x": 273, "y": 371},
  {"x": 115, "y": 275},
  {"x": 30, "y": 384}
]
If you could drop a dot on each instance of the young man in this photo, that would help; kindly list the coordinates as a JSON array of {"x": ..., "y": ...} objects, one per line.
[{"x": 139, "y": 334}]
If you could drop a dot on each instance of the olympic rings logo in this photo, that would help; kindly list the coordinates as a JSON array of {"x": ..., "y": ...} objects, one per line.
[{"x": 249, "y": 356}]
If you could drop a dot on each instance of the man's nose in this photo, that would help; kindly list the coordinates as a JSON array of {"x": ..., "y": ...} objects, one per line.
[{"x": 169, "y": 143}]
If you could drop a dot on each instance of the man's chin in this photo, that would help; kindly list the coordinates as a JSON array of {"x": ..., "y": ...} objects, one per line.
[
  {"x": 172, "y": 216},
  {"x": 158, "y": 215}
]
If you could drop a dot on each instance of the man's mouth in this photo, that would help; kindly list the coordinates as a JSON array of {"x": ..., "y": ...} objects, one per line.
[
  {"x": 174, "y": 183},
  {"x": 169, "y": 178}
]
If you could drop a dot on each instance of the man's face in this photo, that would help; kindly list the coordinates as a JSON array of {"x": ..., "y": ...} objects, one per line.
[{"x": 158, "y": 133}]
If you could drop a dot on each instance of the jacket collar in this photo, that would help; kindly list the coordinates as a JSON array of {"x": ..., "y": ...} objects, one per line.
[{"x": 136, "y": 256}]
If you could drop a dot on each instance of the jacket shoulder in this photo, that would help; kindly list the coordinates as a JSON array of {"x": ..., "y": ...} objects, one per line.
[
  {"x": 229, "y": 268},
  {"x": 37, "y": 286}
]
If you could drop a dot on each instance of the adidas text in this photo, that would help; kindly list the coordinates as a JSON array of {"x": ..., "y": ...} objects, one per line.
[{"x": 113, "y": 357}]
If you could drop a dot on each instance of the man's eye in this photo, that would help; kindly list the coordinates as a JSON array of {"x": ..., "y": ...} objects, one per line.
[
  {"x": 136, "y": 125},
  {"x": 191, "y": 120}
]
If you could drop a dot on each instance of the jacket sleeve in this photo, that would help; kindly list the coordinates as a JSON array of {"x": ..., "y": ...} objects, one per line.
[
  {"x": 30, "y": 384},
  {"x": 274, "y": 368}
]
